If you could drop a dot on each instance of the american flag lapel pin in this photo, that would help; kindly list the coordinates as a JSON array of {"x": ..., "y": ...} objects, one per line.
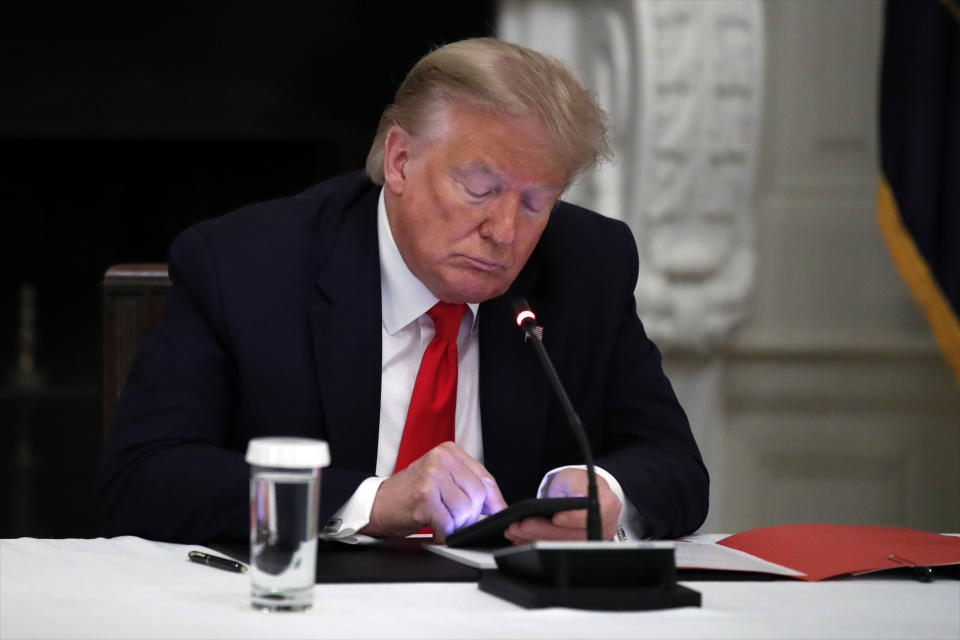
[{"x": 538, "y": 330}]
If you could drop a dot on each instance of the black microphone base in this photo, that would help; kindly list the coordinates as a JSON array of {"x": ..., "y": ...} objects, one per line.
[
  {"x": 604, "y": 576},
  {"x": 536, "y": 596}
]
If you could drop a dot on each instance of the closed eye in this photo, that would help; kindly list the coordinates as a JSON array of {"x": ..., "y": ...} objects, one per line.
[
  {"x": 473, "y": 193},
  {"x": 478, "y": 191},
  {"x": 535, "y": 208},
  {"x": 538, "y": 203}
]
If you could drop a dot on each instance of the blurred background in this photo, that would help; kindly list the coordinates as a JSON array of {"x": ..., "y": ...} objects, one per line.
[{"x": 747, "y": 156}]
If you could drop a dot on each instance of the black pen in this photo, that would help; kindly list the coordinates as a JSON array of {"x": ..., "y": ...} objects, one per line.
[
  {"x": 216, "y": 561},
  {"x": 920, "y": 572}
]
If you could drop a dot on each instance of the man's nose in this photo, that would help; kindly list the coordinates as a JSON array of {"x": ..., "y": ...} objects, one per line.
[{"x": 500, "y": 225}]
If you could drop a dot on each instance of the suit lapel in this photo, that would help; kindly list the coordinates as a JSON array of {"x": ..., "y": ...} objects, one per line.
[
  {"x": 346, "y": 324},
  {"x": 514, "y": 395}
]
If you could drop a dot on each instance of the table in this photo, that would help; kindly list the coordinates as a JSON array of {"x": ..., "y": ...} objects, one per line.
[{"x": 128, "y": 587}]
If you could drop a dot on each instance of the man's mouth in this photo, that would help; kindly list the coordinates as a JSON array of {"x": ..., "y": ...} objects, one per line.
[{"x": 484, "y": 265}]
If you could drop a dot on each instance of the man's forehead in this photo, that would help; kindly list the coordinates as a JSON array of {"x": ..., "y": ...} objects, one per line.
[
  {"x": 485, "y": 142},
  {"x": 477, "y": 167}
]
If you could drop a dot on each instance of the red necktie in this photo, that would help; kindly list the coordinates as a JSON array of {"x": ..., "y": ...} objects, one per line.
[{"x": 433, "y": 405}]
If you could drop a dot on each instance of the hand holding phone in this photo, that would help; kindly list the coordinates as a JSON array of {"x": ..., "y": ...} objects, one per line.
[{"x": 488, "y": 532}]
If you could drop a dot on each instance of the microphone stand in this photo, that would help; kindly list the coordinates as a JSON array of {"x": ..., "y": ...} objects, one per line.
[
  {"x": 593, "y": 574},
  {"x": 529, "y": 325}
]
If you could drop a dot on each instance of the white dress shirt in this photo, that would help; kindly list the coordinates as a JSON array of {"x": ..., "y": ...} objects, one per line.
[{"x": 406, "y": 332}]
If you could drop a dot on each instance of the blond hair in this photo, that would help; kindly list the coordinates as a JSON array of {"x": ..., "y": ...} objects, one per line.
[{"x": 503, "y": 78}]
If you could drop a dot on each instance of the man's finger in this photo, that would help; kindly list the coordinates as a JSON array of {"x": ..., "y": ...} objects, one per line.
[
  {"x": 533, "y": 529},
  {"x": 571, "y": 518},
  {"x": 493, "y": 502},
  {"x": 493, "y": 498},
  {"x": 560, "y": 488},
  {"x": 473, "y": 465},
  {"x": 439, "y": 518},
  {"x": 577, "y": 519},
  {"x": 463, "y": 494}
]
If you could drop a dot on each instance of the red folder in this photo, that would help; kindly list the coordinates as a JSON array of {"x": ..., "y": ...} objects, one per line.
[{"x": 826, "y": 550}]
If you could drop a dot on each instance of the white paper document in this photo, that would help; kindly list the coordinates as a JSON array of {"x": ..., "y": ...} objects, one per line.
[
  {"x": 476, "y": 558},
  {"x": 694, "y": 552}
]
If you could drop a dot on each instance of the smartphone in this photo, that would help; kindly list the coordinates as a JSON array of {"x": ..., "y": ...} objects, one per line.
[{"x": 488, "y": 532}]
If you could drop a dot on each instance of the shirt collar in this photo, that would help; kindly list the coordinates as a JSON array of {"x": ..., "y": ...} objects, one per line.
[{"x": 403, "y": 298}]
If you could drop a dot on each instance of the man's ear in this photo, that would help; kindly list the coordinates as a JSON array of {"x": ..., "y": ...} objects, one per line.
[{"x": 396, "y": 154}]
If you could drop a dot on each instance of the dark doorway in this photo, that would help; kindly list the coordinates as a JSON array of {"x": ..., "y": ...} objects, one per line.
[{"x": 121, "y": 126}]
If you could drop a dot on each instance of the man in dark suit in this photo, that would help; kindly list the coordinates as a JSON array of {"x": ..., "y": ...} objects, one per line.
[{"x": 317, "y": 315}]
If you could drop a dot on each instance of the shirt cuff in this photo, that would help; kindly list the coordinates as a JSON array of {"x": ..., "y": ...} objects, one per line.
[
  {"x": 354, "y": 514},
  {"x": 630, "y": 527}
]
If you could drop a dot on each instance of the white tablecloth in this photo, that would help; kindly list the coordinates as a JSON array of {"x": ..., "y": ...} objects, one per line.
[{"x": 133, "y": 588}]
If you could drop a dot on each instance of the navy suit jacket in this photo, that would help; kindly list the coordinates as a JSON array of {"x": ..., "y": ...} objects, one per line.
[{"x": 273, "y": 328}]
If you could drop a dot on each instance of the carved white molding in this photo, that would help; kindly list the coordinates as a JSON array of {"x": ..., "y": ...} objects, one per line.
[
  {"x": 682, "y": 84},
  {"x": 833, "y": 403}
]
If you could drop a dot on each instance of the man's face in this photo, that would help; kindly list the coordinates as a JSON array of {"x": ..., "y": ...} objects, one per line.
[{"x": 467, "y": 208}]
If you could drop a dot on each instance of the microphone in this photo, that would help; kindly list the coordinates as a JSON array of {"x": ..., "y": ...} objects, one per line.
[
  {"x": 592, "y": 574},
  {"x": 527, "y": 320}
]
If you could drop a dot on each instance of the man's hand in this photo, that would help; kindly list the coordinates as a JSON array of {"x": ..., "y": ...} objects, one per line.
[
  {"x": 569, "y": 525},
  {"x": 445, "y": 488}
]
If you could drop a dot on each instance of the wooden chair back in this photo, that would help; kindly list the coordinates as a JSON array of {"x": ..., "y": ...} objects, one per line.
[{"x": 131, "y": 306}]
